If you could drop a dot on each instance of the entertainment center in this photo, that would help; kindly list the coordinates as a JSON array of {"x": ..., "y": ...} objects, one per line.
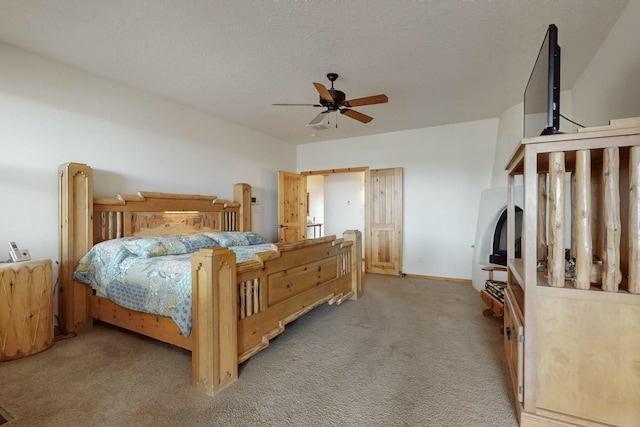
[{"x": 572, "y": 317}]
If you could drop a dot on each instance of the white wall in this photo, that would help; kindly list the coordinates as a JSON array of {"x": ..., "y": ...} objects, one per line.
[
  {"x": 609, "y": 88},
  {"x": 51, "y": 113},
  {"x": 509, "y": 136},
  {"x": 315, "y": 188},
  {"x": 343, "y": 203},
  {"x": 510, "y": 133},
  {"x": 445, "y": 170}
]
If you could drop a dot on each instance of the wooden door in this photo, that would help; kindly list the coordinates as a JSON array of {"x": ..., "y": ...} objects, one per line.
[
  {"x": 383, "y": 222},
  {"x": 292, "y": 207}
]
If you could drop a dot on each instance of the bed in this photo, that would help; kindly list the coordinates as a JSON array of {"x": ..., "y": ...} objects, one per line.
[{"x": 238, "y": 302}]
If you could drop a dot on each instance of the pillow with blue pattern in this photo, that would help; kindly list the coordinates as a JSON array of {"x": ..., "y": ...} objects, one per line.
[
  {"x": 228, "y": 239},
  {"x": 147, "y": 247}
]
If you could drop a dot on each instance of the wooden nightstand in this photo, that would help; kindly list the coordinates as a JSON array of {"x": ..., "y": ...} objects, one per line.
[{"x": 26, "y": 308}]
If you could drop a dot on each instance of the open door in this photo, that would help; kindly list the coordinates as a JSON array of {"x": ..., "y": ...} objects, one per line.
[
  {"x": 383, "y": 221},
  {"x": 292, "y": 207}
]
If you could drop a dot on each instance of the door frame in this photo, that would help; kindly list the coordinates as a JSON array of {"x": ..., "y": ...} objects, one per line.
[{"x": 367, "y": 238}]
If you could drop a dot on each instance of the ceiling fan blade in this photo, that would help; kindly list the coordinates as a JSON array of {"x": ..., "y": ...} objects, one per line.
[
  {"x": 295, "y": 105},
  {"x": 367, "y": 100},
  {"x": 356, "y": 115},
  {"x": 319, "y": 118},
  {"x": 324, "y": 93}
]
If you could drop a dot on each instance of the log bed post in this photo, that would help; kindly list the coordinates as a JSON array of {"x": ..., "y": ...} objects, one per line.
[
  {"x": 214, "y": 295},
  {"x": 75, "y": 216},
  {"x": 242, "y": 195},
  {"x": 355, "y": 236}
]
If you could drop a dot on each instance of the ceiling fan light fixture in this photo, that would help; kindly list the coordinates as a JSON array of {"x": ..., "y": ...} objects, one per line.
[{"x": 318, "y": 126}]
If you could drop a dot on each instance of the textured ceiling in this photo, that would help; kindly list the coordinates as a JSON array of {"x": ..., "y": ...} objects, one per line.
[{"x": 438, "y": 61}]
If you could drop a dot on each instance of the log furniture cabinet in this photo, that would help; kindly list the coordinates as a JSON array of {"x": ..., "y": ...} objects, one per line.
[
  {"x": 26, "y": 308},
  {"x": 572, "y": 309}
]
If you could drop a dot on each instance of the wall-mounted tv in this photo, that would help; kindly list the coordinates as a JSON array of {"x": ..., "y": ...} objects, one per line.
[{"x": 542, "y": 95}]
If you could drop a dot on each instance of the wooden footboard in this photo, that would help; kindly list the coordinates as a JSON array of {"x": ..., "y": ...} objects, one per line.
[
  {"x": 236, "y": 308},
  {"x": 254, "y": 300}
]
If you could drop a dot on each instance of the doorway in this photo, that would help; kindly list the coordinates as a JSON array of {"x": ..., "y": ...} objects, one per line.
[
  {"x": 370, "y": 200},
  {"x": 336, "y": 203}
]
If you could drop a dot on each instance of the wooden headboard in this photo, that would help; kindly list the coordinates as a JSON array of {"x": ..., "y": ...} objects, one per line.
[
  {"x": 153, "y": 214},
  {"x": 85, "y": 221}
]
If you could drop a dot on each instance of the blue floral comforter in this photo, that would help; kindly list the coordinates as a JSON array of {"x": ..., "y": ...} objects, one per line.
[{"x": 153, "y": 274}]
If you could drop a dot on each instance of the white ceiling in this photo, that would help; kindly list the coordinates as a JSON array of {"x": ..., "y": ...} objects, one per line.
[{"x": 438, "y": 61}]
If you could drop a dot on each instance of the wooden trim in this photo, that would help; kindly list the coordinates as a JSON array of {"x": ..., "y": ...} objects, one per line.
[
  {"x": 577, "y": 138},
  {"x": 445, "y": 279},
  {"x": 333, "y": 171}
]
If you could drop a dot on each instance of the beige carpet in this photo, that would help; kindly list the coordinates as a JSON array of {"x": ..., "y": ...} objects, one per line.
[{"x": 411, "y": 352}]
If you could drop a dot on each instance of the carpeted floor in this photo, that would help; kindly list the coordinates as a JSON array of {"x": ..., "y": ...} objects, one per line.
[{"x": 411, "y": 352}]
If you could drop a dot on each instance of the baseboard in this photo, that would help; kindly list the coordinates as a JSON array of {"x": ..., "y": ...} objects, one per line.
[{"x": 445, "y": 279}]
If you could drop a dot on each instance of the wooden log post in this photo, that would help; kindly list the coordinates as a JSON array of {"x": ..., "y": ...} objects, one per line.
[
  {"x": 596, "y": 211},
  {"x": 572, "y": 207},
  {"x": 542, "y": 217},
  {"x": 556, "y": 261},
  {"x": 215, "y": 319},
  {"x": 355, "y": 236},
  {"x": 611, "y": 275},
  {"x": 581, "y": 220},
  {"x": 634, "y": 220}
]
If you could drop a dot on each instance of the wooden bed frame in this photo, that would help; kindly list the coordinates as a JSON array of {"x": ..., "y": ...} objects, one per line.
[{"x": 236, "y": 308}]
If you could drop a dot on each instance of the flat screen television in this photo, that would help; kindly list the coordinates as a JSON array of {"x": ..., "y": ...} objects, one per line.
[{"x": 542, "y": 95}]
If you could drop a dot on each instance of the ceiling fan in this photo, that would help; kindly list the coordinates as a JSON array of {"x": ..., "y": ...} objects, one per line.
[{"x": 335, "y": 100}]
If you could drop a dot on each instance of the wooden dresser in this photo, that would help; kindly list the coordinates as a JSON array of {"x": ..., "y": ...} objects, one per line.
[{"x": 572, "y": 303}]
